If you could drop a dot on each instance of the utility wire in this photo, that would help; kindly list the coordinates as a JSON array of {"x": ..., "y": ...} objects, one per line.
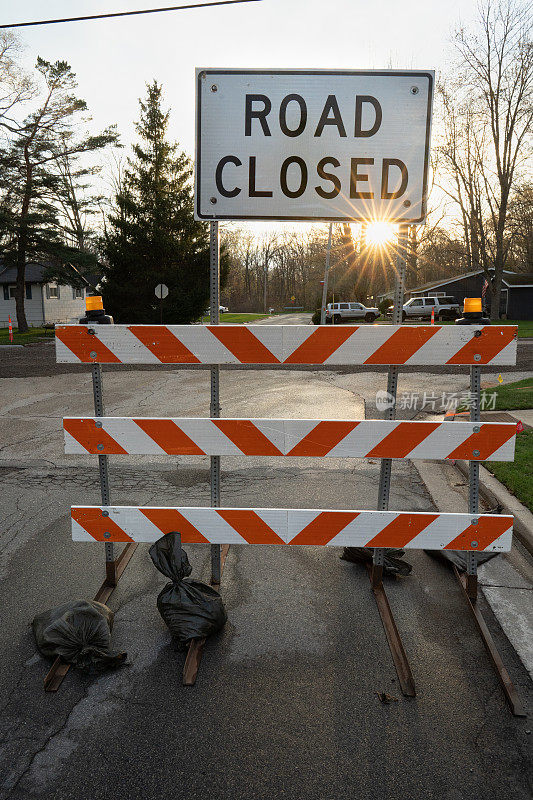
[{"x": 127, "y": 13}]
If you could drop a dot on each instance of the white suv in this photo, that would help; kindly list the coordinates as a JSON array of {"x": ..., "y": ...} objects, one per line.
[
  {"x": 341, "y": 312},
  {"x": 445, "y": 308}
]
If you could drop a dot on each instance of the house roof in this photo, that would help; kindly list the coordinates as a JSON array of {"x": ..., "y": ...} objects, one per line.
[
  {"x": 509, "y": 279},
  {"x": 34, "y": 273}
]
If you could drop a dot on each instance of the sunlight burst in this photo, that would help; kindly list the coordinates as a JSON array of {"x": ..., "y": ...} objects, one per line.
[{"x": 379, "y": 233}]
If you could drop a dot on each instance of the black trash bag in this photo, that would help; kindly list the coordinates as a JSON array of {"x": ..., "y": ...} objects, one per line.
[
  {"x": 190, "y": 609},
  {"x": 80, "y": 633},
  {"x": 393, "y": 563}
]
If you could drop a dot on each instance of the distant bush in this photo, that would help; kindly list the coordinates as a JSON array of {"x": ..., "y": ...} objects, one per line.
[
  {"x": 383, "y": 305},
  {"x": 315, "y": 319}
]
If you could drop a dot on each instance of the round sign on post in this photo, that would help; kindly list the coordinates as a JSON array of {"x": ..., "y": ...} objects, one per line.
[{"x": 161, "y": 291}]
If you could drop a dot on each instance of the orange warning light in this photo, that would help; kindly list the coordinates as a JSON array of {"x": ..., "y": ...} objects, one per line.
[
  {"x": 472, "y": 305},
  {"x": 94, "y": 303}
]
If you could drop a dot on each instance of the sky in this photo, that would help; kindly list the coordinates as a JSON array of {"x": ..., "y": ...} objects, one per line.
[{"x": 114, "y": 59}]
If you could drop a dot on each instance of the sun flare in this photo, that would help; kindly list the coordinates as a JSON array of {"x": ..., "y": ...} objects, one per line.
[{"x": 379, "y": 233}]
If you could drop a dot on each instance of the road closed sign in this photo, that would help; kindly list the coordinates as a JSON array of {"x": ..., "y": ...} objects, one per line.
[{"x": 312, "y": 145}]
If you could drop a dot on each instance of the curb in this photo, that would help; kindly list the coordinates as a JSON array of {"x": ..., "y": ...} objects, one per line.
[{"x": 495, "y": 493}]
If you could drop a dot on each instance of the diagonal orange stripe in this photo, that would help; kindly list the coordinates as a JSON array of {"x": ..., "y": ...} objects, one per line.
[
  {"x": 401, "y": 530},
  {"x": 250, "y": 526},
  {"x": 243, "y": 344},
  {"x": 82, "y": 344},
  {"x": 404, "y": 438},
  {"x": 323, "y": 438},
  {"x": 163, "y": 344},
  {"x": 320, "y": 345},
  {"x": 484, "y": 533},
  {"x": 89, "y": 436},
  {"x": 402, "y": 344},
  {"x": 492, "y": 340},
  {"x": 324, "y": 527},
  {"x": 169, "y": 520},
  {"x": 248, "y": 438},
  {"x": 487, "y": 441},
  {"x": 170, "y": 437},
  {"x": 94, "y": 523}
]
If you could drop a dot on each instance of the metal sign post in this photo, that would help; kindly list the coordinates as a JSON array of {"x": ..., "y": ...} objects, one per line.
[
  {"x": 326, "y": 275},
  {"x": 103, "y": 465},
  {"x": 161, "y": 291},
  {"x": 214, "y": 319},
  {"x": 473, "y": 483},
  {"x": 393, "y": 637}
]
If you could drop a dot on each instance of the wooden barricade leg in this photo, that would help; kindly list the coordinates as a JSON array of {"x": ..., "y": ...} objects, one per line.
[{"x": 114, "y": 567}]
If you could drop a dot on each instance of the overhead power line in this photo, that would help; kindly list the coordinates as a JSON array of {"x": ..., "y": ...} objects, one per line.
[{"x": 127, "y": 13}]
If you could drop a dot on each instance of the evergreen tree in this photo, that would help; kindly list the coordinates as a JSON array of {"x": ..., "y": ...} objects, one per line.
[{"x": 152, "y": 236}]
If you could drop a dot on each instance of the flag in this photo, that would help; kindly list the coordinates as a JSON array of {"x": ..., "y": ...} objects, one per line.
[{"x": 484, "y": 288}]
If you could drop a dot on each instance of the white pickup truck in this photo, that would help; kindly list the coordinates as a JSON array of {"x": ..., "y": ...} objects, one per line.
[
  {"x": 342, "y": 312},
  {"x": 421, "y": 307}
]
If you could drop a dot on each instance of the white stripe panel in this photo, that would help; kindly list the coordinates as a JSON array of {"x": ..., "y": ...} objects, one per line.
[
  {"x": 208, "y": 437},
  {"x": 64, "y": 354},
  {"x": 271, "y": 336},
  {"x": 79, "y": 534},
  {"x": 206, "y": 519},
  {"x": 203, "y": 344},
  {"x": 443, "y": 345},
  {"x": 130, "y": 437},
  {"x": 364, "y": 341},
  {"x": 362, "y": 529},
  {"x": 505, "y": 452},
  {"x": 293, "y": 336},
  {"x": 508, "y": 354},
  {"x": 361, "y": 344},
  {"x": 443, "y": 440},
  {"x": 364, "y": 437},
  {"x": 287, "y": 523},
  {"x": 125, "y": 345},
  {"x": 503, "y": 543},
  {"x": 72, "y": 446},
  {"x": 274, "y": 430},
  {"x": 277, "y": 519},
  {"x": 295, "y": 430}
]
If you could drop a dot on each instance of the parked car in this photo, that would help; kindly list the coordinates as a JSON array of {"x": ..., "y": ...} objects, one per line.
[
  {"x": 221, "y": 310},
  {"x": 342, "y": 312},
  {"x": 421, "y": 307}
]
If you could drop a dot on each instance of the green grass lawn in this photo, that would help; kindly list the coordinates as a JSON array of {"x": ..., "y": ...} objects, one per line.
[
  {"x": 512, "y": 396},
  {"x": 517, "y": 475},
  {"x": 227, "y": 318},
  {"x": 33, "y": 335}
]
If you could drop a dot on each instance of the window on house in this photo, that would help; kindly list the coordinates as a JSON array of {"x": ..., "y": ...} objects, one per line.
[
  {"x": 52, "y": 291},
  {"x": 76, "y": 293},
  {"x": 28, "y": 291},
  {"x": 6, "y": 292},
  {"x": 12, "y": 290}
]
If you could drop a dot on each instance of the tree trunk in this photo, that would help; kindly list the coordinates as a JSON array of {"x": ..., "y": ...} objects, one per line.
[{"x": 22, "y": 240}]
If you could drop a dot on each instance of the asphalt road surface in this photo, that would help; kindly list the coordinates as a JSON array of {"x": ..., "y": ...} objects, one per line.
[{"x": 286, "y": 703}]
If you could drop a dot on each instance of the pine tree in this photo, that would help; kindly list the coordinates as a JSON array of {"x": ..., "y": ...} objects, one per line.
[{"x": 152, "y": 236}]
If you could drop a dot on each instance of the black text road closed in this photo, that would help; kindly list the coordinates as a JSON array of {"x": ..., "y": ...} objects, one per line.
[{"x": 325, "y": 145}]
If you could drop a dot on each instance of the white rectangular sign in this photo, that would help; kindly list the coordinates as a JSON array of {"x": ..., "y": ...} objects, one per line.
[{"x": 312, "y": 144}]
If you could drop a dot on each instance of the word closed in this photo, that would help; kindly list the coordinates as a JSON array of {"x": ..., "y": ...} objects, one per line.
[{"x": 312, "y": 144}]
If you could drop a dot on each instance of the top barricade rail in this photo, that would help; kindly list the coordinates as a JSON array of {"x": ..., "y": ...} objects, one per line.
[{"x": 277, "y": 345}]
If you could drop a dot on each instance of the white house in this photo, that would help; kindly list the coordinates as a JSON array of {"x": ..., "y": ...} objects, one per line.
[{"x": 46, "y": 301}]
